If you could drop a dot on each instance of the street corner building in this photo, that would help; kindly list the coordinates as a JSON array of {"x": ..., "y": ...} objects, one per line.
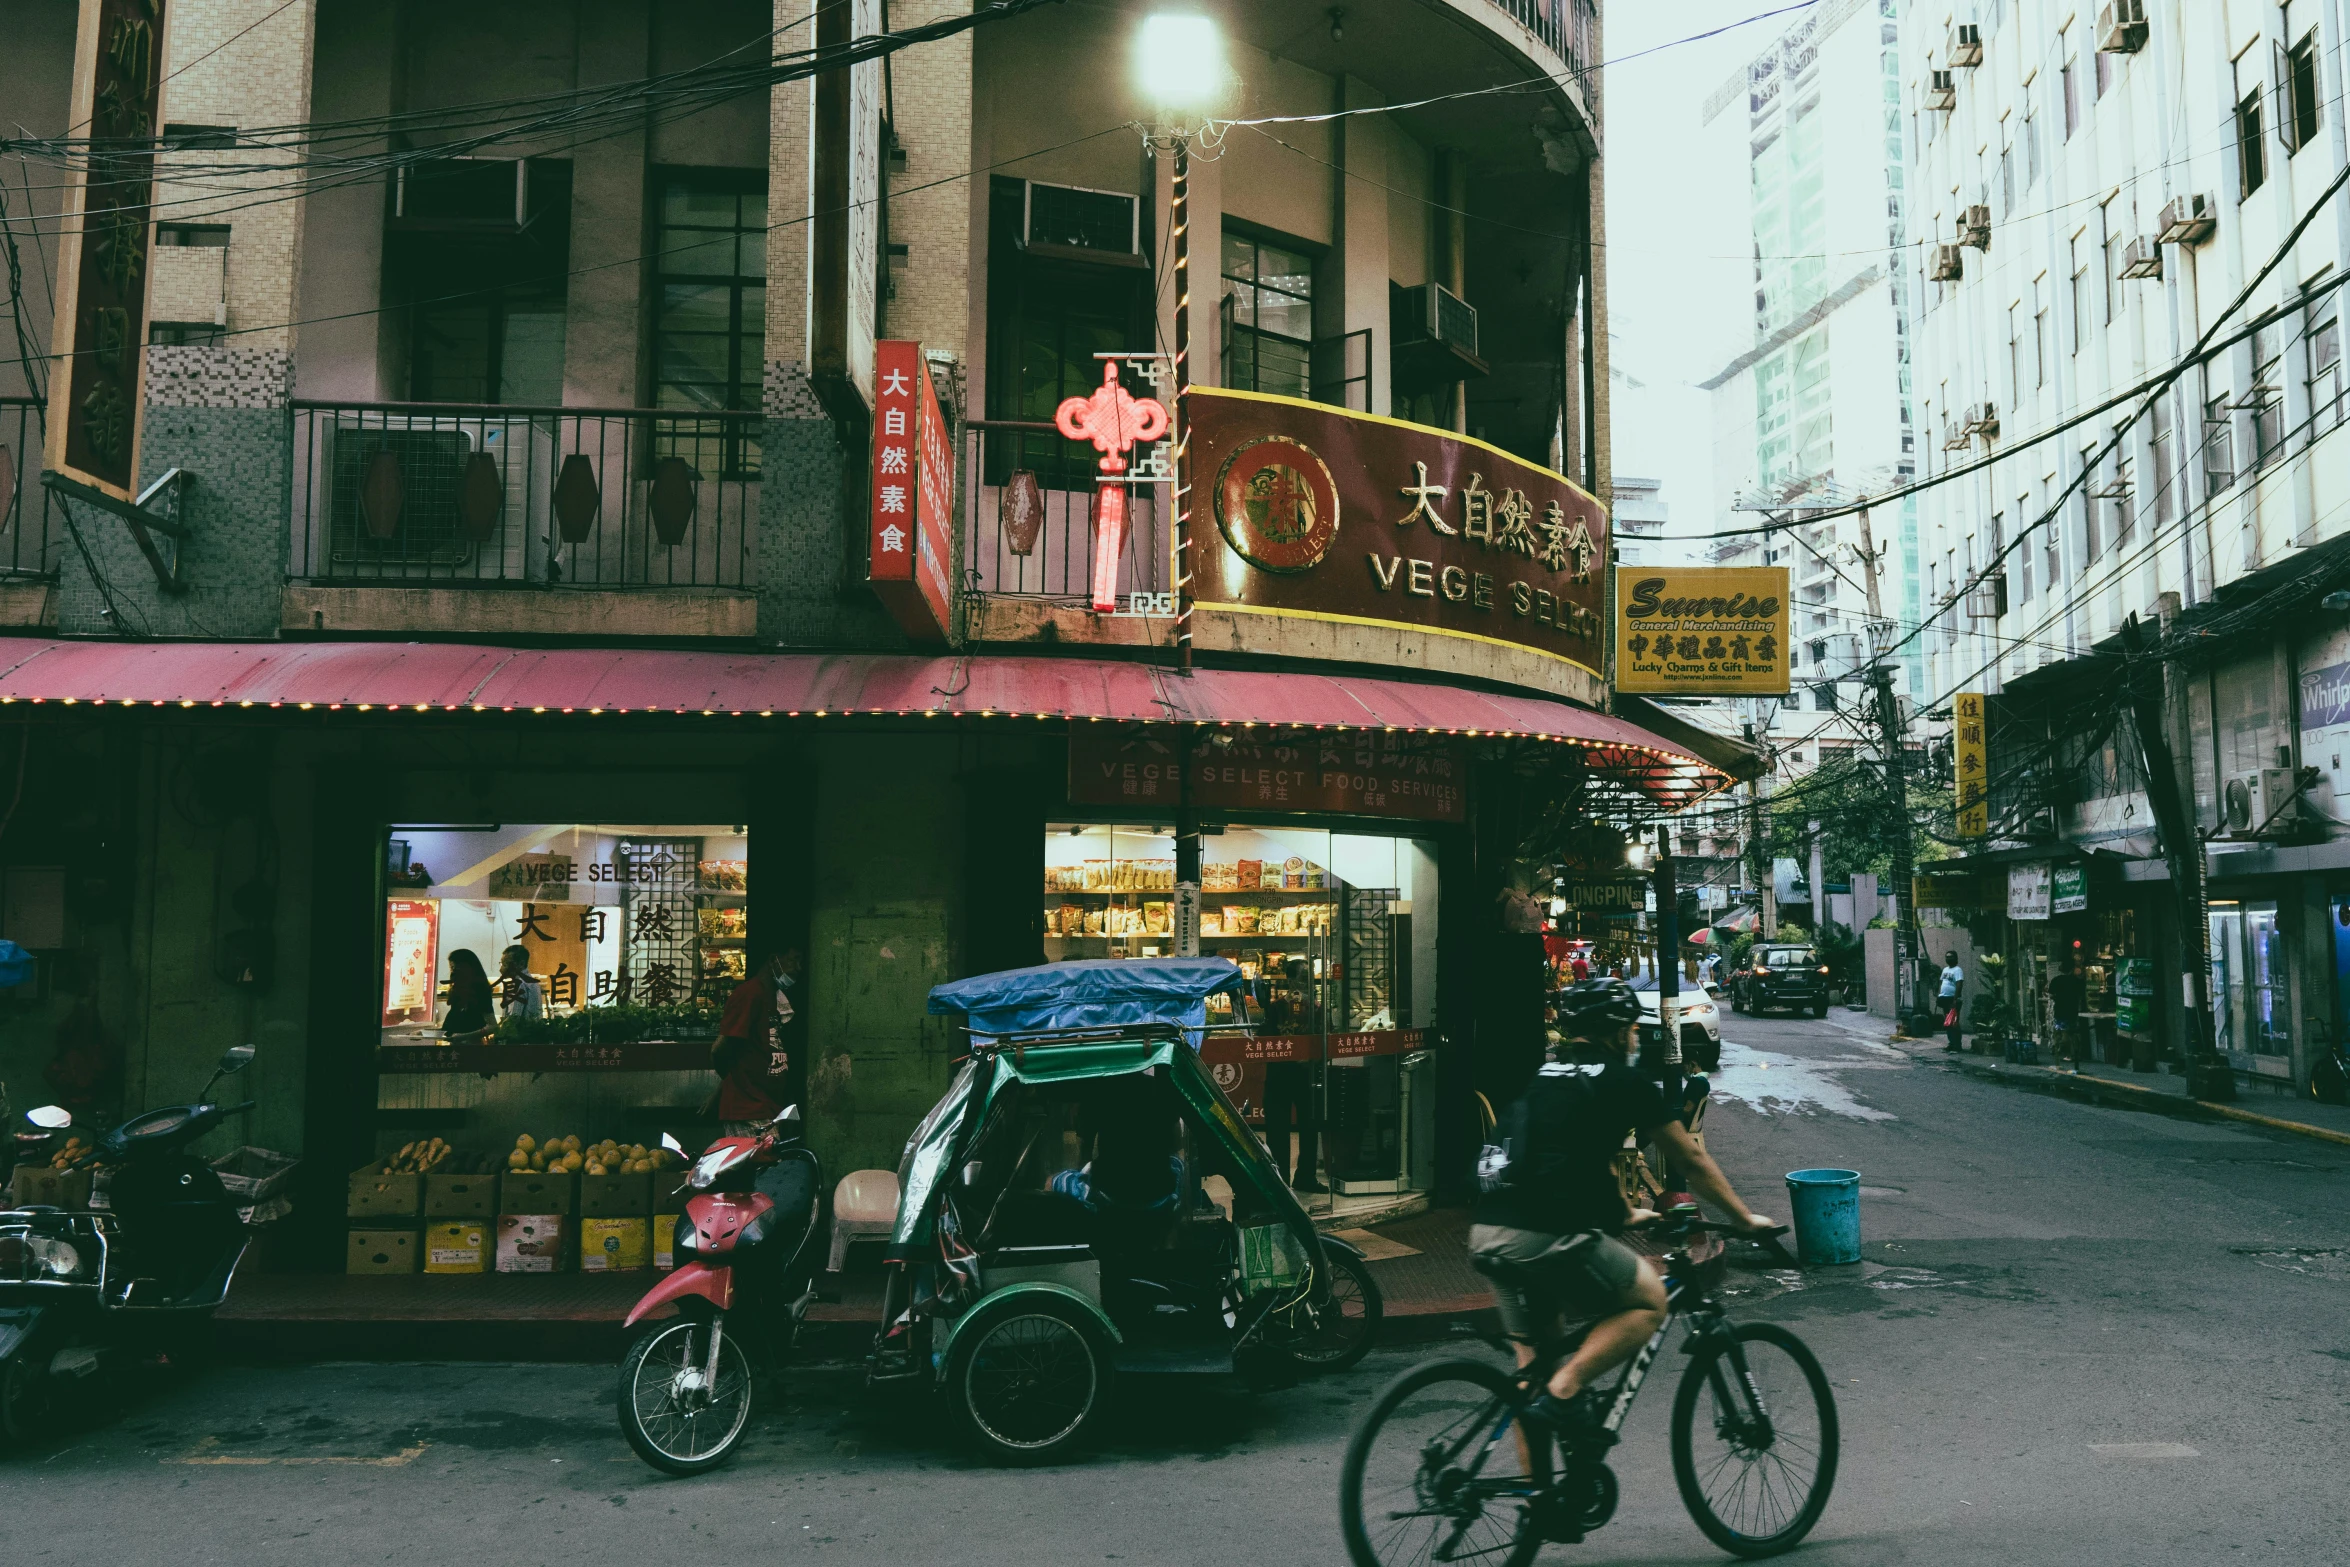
[{"x": 589, "y": 499}]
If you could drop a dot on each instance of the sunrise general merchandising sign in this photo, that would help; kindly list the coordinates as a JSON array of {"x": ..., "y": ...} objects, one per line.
[{"x": 1711, "y": 631}]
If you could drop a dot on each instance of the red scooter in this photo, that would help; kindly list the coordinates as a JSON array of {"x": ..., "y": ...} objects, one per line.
[{"x": 745, "y": 1277}]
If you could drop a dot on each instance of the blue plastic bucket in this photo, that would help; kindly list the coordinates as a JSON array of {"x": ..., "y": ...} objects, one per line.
[{"x": 1827, "y": 1214}]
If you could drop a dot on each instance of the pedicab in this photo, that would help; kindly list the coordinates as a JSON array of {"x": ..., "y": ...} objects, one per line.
[{"x": 1084, "y": 1202}]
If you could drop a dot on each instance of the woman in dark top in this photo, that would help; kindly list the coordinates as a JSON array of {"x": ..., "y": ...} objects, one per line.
[{"x": 469, "y": 996}]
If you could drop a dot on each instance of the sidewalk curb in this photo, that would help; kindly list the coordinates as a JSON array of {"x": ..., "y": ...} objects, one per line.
[{"x": 2041, "y": 1077}]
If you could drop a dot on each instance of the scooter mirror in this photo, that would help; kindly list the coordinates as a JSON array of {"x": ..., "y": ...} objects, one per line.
[
  {"x": 50, "y": 1118},
  {"x": 673, "y": 1145},
  {"x": 788, "y": 1116},
  {"x": 237, "y": 1059},
  {"x": 973, "y": 1171}
]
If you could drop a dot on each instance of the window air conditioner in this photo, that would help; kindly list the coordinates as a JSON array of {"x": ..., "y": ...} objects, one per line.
[
  {"x": 1941, "y": 90},
  {"x": 1975, "y": 227},
  {"x": 1987, "y": 599},
  {"x": 1945, "y": 265},
  {"x": 431, "y": 536},
  {"x": 1076, "y": 218},
  {"x": 2254, "y": 801},
  {"x": 2143, "y": 258},
  {"x": 1966, "y": 44},
  {"x": 2121, "y": 27},
  {"x": 2187, "y": 220},
  {"x": 1432, "y": 313}
]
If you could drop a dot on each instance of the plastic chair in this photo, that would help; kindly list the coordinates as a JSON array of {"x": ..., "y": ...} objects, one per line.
[{"x": 864, "y": 1203}]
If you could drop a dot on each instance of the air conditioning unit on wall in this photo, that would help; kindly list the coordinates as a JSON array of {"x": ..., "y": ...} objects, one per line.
[
  {"x": 2254, "y": 801},
  {"x": 1946, "y": 265},
  {"x": 2121, "y": 27},
  {"x": 1941, "y": 90}
]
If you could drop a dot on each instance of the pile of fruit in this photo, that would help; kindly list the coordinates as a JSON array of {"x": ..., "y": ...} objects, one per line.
[
  {"x": 75, "y": 1148},
  {"x": 427, "y": 1155},
  {"x": 572, "y": 1153}
]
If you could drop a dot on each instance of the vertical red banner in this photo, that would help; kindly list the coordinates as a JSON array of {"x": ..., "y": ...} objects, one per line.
[{"x": 910, "y": 547}]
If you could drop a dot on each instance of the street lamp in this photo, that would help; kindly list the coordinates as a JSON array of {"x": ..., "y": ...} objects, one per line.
[{"x": 1179, "y": 62}]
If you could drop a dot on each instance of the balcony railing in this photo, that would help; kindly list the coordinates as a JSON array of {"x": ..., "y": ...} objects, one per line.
[
  {"x": 1564, "y": 26},
  {"x": 1049, "y": 555},
  {"x": 30, "y": 531},
  {"x": 418, "y": 493}
]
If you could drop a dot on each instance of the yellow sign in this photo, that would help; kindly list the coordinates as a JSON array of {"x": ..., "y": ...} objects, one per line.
[
  {"x": 1971, "y": 755},
  {"x": 1712, "y": 631}
]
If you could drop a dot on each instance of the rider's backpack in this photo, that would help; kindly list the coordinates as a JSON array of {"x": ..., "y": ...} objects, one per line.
[{"x": 1524, "y": 1152}]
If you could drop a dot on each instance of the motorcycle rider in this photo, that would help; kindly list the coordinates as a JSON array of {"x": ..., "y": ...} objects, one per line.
[{"x": 1552, "y": 1210}]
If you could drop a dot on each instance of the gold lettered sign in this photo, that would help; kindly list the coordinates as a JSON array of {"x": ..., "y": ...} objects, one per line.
[
  {"x": 1971, "y": 757},
  {"x": 1702, "y": 631}
]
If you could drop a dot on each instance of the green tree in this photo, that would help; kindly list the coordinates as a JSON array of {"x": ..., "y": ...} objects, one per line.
[{"x": 1858, "y": 826}]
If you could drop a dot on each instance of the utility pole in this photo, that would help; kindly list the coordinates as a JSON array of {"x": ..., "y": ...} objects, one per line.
[
  {"x": 1896, "y": 782},
  {"x": 1668, "y": 946}
]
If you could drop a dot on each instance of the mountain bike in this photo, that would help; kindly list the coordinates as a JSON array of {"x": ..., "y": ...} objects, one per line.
[{"x": 1445, "y": 1467}]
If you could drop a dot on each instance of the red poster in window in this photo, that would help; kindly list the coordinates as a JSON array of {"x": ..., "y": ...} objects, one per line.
[
  {"x": 412, "y": 958},
  {"x": 910, "y": 551}
]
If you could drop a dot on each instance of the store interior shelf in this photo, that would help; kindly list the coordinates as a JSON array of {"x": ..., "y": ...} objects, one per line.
[{"x": 1169, "y": 892}]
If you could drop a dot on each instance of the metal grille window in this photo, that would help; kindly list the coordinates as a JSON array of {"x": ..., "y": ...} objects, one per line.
[
  {"x": 2268, "y": 398},
  {"x": 2158, "y": 482},
  {"x": 2322, "y": 342},
  {"x": 710, "y": 328},
  {"x": 1268, "y": 316}
]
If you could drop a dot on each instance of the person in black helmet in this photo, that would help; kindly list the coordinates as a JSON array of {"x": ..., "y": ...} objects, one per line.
[{"x": 1545, "y": 1228}]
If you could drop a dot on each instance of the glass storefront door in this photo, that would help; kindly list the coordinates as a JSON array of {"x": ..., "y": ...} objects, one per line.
[{"x": 2251, "y": 1008}]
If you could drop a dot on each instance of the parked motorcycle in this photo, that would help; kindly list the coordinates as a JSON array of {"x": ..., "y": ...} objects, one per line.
[
  {"x": 745, "y": 1278},
  {"x": 146, "y": 1274}
]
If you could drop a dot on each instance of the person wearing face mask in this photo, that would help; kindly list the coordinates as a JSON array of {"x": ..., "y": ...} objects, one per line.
[{"x": 756, "y": 1073}]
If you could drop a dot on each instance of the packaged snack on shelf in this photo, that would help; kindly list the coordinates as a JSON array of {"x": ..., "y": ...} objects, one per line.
[
  {"x": 1095, "y": 919},
  {"x": 1269, "y": 880},
  {"x": 1240, "y": 919},
  {"x": 1072, "y": 919},
  {"x": 1155, "y": 919},
  {"x": 1248, "y": 875},
  {"x": 1052, "y": 922},
  {"x": 1317, "y": 879},
  {"x": 1211, "y": 923},
  {"x": 1293, "y": 873},
  {"x": 724, "y": 875},
  {"x": 1218, "y": 876}
]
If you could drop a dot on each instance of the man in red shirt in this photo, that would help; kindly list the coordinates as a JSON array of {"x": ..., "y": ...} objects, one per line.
[{"x": 755, "y": 1069}]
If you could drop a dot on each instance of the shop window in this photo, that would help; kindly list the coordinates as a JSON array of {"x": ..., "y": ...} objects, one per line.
[
  {"x": 1335, "y": 934},
  {"x": 710, "y": 318},
  {"x": 579, "y": 930},
  {"x": 2250, "y": 1007}
]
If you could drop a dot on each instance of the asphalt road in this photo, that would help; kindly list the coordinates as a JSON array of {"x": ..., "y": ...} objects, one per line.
[{"x": 2082, "y": 1336}]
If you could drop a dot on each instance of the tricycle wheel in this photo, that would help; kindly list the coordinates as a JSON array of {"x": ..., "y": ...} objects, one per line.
[
  {"x": 1342, "y": 1331},
  {"x": 676, "y": 1420},
  {"x": 1030, "y": 1379}
]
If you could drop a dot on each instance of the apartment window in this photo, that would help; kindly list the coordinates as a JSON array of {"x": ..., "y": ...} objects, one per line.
[
  {"x": 1823, "y": 699},
  {"x": 2115, "y": 295},
  {"x": 1050, "y": 310},
  {"x": 2165, "y": 464},
  {"x": 2251, "y": 151},
  {"x": 2080, "y": 299},
  {"x": 2298, "y": 73},
  {"x": 2031, "y": 149},
  {"x": 1268, "y": 316},
  {"x": 2104, "y": 74},
  {"x": 2125, "y": 496},
  {"x": 710, "y": 323},
  {"x": 485, "y": 292},
  {"x": 2023, "y": 556},
  {"x": 2007, "y": 179},
  {"x": 2052, "y": 558},
  {"x": 2322, "y": 342},
  {"x": 2071, "y": 89},
  {"x": 2015, "y": 354},
  {"x": 2091, "y": 545},
  {"x": 2043, "y": 334},
  {"x": 2219, "y": 446},
  {"x": 2268, "y": 414}
]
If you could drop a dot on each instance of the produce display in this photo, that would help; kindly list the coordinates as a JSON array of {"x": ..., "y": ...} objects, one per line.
[
  {"x": 426, "y": 1156},
  {"x": 75, "y": 1148},
  {"x": 571, "y": 1153}
]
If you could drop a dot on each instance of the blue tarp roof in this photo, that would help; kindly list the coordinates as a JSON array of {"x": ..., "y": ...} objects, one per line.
[{"x": 1100, "y": 993}]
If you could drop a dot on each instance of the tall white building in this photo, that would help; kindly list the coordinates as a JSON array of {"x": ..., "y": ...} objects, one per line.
[{"x": 1803, "y": 162}]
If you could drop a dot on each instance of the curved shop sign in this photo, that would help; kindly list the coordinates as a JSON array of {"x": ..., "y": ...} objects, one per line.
[{"x": 1344, "y": 516}]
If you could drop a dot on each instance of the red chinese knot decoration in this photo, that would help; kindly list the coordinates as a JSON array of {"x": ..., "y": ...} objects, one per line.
[{"x": 1113, "y": 419}]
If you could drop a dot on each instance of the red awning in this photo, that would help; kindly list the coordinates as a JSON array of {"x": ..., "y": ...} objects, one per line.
[{"x": 434, "y": 676}]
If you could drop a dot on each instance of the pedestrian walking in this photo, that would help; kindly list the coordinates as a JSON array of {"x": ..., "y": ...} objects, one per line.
[
  {"x": 756, "y": 1076},
  {"x": 2068, "y": 998},
  {"x": 1953, "y": 988}
]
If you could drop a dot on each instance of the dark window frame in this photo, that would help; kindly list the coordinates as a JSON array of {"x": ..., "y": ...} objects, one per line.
[
  {"x": 1259, "y": 239},
  {"x": 744, "y": 387}
]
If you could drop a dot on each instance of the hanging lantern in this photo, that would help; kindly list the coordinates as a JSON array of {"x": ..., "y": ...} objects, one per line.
[
  {"x": 673, "y": 499},
  {"x": 1020, "y": 511},
  {"x": 381, "y": 495},
  {"x": 577, "y": 498},
  {"x": 1113, "y": 419}
]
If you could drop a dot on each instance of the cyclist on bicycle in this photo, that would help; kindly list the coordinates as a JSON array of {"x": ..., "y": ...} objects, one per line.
[{"x": 1545, "y": 1228}]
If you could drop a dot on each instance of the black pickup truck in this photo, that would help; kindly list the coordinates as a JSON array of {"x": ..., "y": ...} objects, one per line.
[{"x": 1781, "y": 976}]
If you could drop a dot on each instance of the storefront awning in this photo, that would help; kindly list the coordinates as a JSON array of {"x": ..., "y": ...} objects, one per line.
[{"x": 458, "y": 677}]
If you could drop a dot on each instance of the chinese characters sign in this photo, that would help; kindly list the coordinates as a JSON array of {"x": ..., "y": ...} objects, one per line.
[
  {"x": 1343, "y": 516},
  {"x": 913, "y": 494},
  {"x": 1971, "y": 757},
  {"x": 1710, "y": 632},
  {"x": 102, "y": 308},
  {"x": 1422, "y": 780}
]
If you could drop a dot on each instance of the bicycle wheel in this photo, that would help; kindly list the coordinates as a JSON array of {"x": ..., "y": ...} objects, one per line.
[
  {"x": 1342, "y": 1333},
  {"x": 1756, "y": 1471},
  {"x": 1436, "y": 1473},
  {"x": 672, "y": 1414}
]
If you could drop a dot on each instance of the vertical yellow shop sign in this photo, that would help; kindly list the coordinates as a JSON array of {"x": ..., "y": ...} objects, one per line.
[{"x": 1971, "y": 755}]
